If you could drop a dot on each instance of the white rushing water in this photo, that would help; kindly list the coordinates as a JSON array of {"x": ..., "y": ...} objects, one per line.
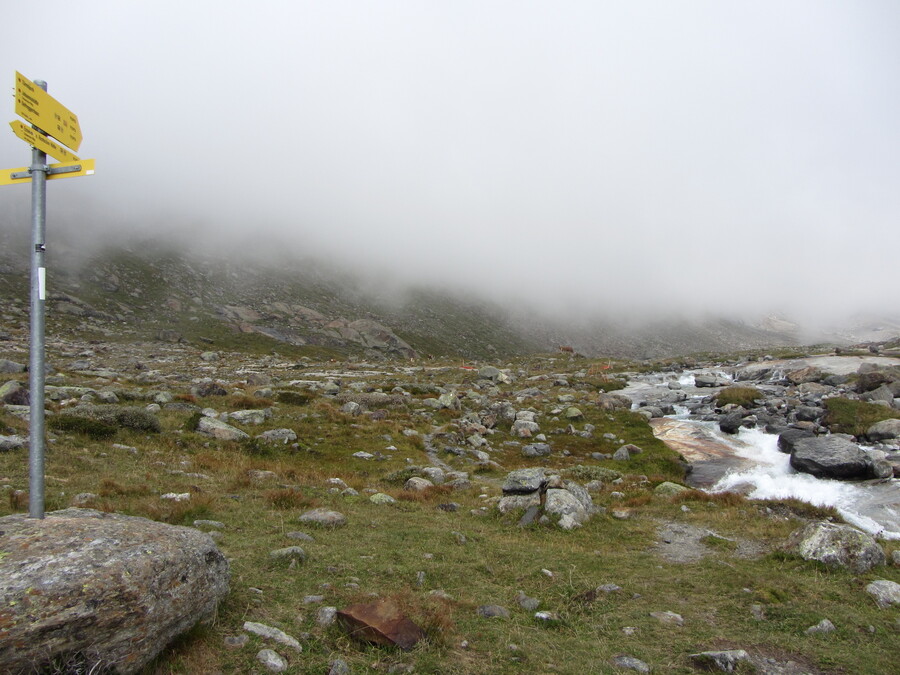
[{"x": 870, "y": 506}]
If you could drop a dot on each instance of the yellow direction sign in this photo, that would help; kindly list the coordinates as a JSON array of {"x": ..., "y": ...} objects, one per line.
[
  {"x": 82, "y": 167},
  {"x": 41, "y": 142},
  {"x": 36, "y": 106}
]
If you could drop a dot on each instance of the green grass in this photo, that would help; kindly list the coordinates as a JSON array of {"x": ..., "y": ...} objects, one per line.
[
  {"x": 846, "y": 416},
  {"x": 746, "y": 397},
  {"x": 383, "y": 548}
]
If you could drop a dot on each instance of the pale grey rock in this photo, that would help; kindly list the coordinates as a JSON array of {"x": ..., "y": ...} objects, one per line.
[
  {"x": 536, "y": 450},
  {"x": 515, "y": 502},
  {"x": 886, "y": 593},
  {"x": 524, "y": 428},
  {"x": 417, "y": 484},
  {"x": 289, "y": 553},
  {"x": 8, "y": 443},
  {"x": 824, "y": 626},
  {"x": 631, "y": 663},
  {"x": 566, "y": 507},
  {"x": 282, "y": 436},
  {"x": 527, "y": 603},
  {"x": 219, "y": 430},
  {"x": 668, "y": 489},
  {"x": 351, "y": 408},
  {"x": 115, "y": 588},
  {"x": 836, "y": 546},
  {"x": 326, "y": 616},
  {"x": 324, "y": 518},
  {"x": 250, "y": 416},
  {"x": 668, "y": 618},
  {"x": 272, "y": 661},
  {"x": 435, "y": 474},
  {"x": 884, "y": 431},
  {"x": 493, "y": 612},
  {"x": 524, "y": 481},
  {"x": 338, "y": 667},
  {"x": 725, "y": 661},
  {"x": 11, "y": 367},
  {"x": 381, "y": 498},
  {"x": 272, "y": 633}
]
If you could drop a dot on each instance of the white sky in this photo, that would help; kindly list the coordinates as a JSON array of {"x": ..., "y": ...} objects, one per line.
[{"x": 584, "y": 154}]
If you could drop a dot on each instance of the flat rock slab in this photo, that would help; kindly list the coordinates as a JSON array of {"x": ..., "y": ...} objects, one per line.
[
  {"x": 381, "y": 623},
  {"x": 105, "y": 588}
]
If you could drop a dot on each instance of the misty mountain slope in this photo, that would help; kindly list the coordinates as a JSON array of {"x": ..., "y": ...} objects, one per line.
[{"x": 147, "y": 291}]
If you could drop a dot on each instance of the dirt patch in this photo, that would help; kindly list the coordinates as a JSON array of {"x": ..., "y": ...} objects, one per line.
[{"x": 683, "y": 543}]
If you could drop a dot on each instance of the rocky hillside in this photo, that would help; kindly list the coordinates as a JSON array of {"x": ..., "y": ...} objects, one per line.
[{"x": 146, "y": 292}]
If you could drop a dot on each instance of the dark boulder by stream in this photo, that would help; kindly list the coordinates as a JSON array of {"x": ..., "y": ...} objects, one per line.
[{"x": 831, "y": 457}]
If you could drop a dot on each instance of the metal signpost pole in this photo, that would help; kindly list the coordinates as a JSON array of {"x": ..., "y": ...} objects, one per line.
[{"x": 39, "y": 170}]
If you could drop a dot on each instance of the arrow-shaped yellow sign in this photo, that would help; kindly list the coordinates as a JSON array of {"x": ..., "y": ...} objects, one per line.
[
  {"x": 36, "y": 106},
  {"x": 41, "y": 142},
  {"x": 83, "y": 167}
]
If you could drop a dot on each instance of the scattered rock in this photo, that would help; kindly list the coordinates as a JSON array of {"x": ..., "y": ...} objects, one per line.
[
  {"x": 382, "y": 623},
  {"x": 726, "y": 661},
  {"x": 824, "y": 626},
  {"x": 271, "y": 633},
  {"x": 886, "y": 593},
  {"x": 324, "y": 518},
  {"x": 493, "y": 612},
  {"x": 271, "y": 661},
  {"x": 631, "y": 663}
]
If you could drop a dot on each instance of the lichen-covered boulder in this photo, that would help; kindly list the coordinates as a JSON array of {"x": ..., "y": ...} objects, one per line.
[
  {"x": 86, "y": 587},
  {"x": 836, "y": 546}
]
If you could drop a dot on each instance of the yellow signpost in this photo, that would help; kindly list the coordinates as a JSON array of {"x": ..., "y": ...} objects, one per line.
[
  {"x": 50, "y": 120},
  {"x": 36, "y": 106},
  {"x": 79, "y": 167},
  {"x": 33, "y": 137}
]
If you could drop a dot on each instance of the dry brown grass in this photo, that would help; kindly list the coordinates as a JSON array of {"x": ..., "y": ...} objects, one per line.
[
  {"x": 428, "y": 495},
  {"x": 289, "y": 498}
]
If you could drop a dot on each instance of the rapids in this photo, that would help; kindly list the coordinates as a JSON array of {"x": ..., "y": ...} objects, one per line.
[{"x": 750, "y": 462}]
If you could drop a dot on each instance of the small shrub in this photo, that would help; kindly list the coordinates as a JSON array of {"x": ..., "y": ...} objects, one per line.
[
  {"x": 293, "y": 397},
  {"x": 81, "y": 425},
  {"x": 137, "y": 419},
  {"x": 854, "y": 417},
  {"x": 588, "y": 473},
  {"x": 249, "y": 402},
  {"x": 289, "y": 498},
  {"x": 745, "y": 397},
  {"x": 402, "y": 475},
  {"x": 193, "y": 422},
  {"x": 429, "y": 494}
]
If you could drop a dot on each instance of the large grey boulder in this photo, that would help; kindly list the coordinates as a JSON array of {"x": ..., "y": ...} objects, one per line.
[
  {"x": 101, "y": 589},
  {"x": 830, "y": 457},
  {"x": 836, "y": 546}
]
